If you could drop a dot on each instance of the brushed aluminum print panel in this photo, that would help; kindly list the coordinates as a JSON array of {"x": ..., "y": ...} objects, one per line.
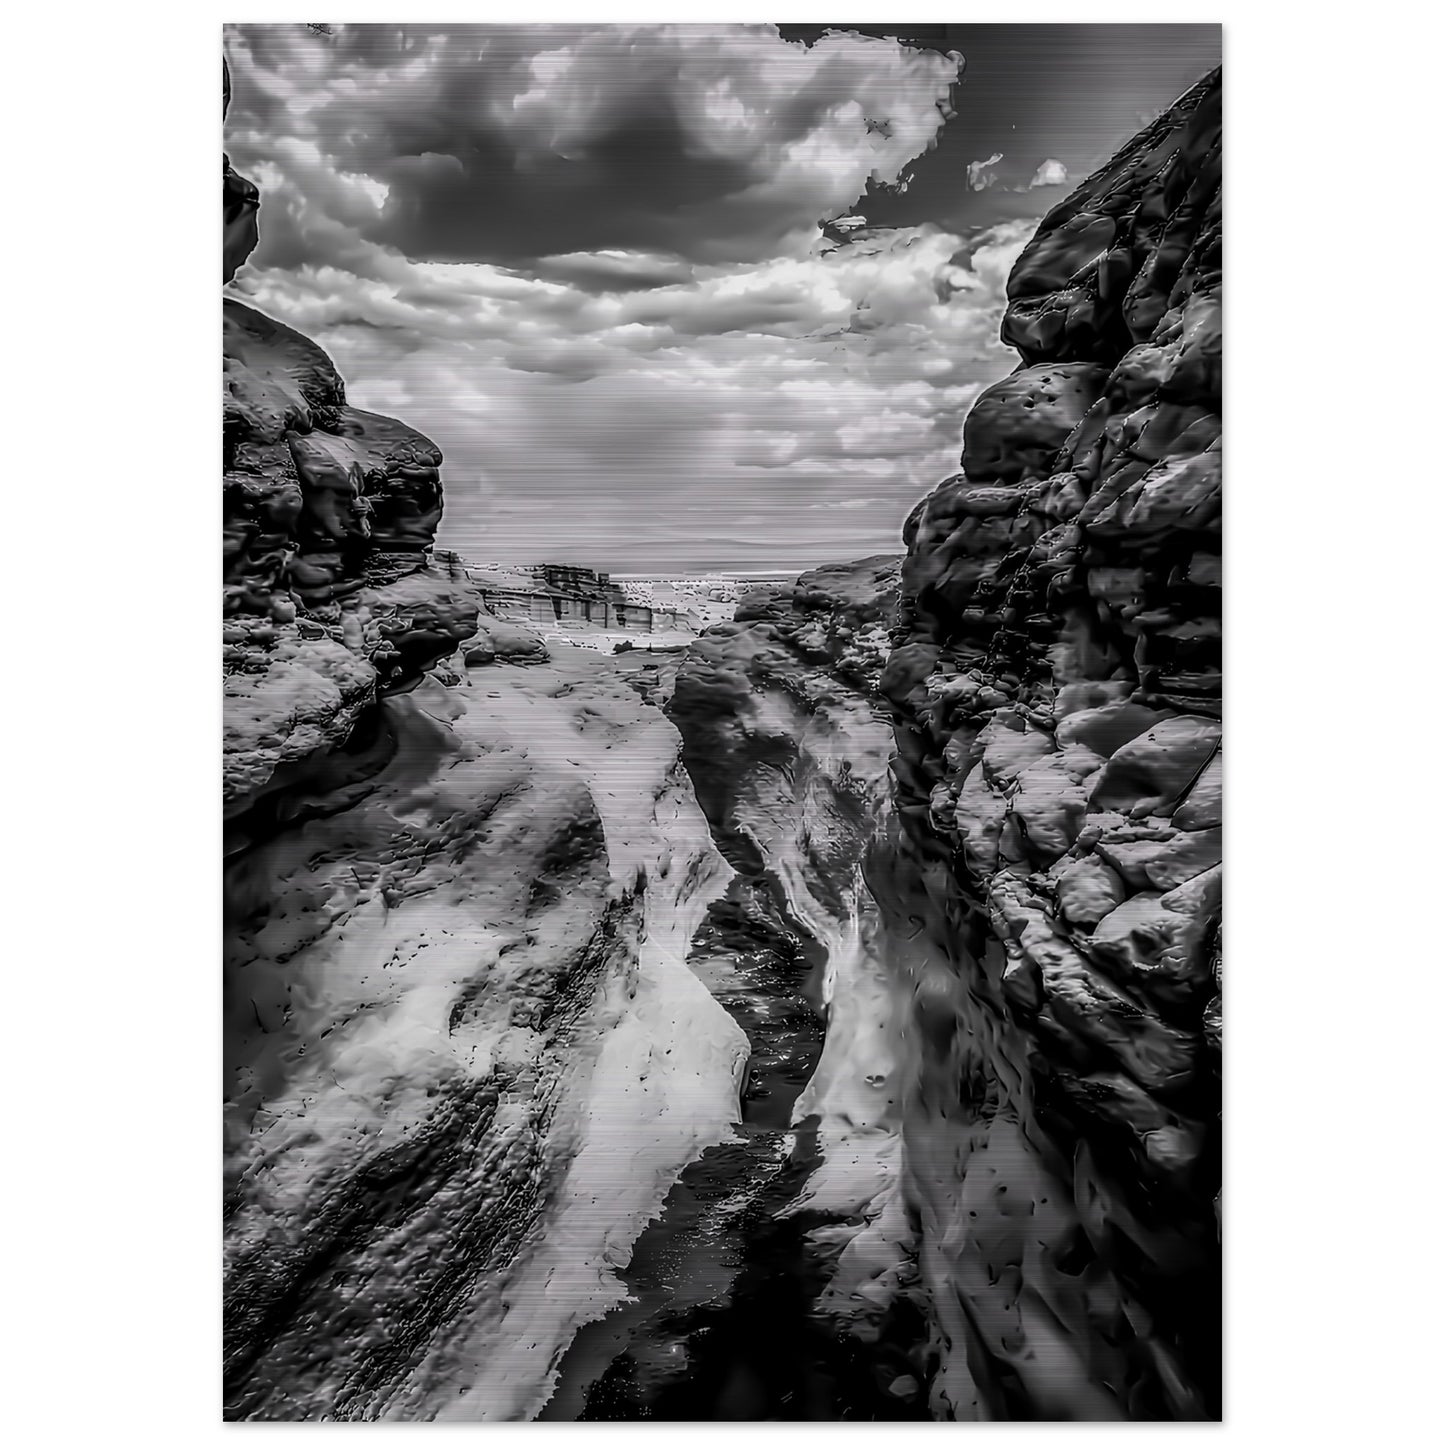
[{"x": 722, "y": 758}]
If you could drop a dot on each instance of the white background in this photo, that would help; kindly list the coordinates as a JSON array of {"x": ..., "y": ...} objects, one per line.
[{"x": 112, "y": 720}]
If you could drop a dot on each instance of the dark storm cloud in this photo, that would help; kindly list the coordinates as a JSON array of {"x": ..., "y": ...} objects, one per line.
[
  {"x": 614, "y": 271},
  {"x": 506, "y": 145},
  {"x": 476, "y": 202}
]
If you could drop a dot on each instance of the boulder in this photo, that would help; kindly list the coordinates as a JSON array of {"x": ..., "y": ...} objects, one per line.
[
  {"x": 500, "y": 640},
  {"x": 1087, "y": 890},
  {"x": 1017, "y": 426},
  {"x": 1154, "y": 770}
]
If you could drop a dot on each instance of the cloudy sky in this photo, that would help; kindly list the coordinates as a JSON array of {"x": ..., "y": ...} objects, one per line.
[{"x": 683, "y": 298}]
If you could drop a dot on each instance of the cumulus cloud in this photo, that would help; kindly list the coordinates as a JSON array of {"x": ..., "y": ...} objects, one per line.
[
  {"x": 784, "y": 391},
  {"x": 983, "y": 267},
  {"x": 1050, "y": 173},
  {"x": 980, "y": 173},
  {"x": 714, "y": 382},
  {"x": 504, "y": 143}
]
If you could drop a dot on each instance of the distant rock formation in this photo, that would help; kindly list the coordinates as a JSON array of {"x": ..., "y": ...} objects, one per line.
[
  {"x": 1053, "y": 882},
  {"x": 552, "y": 596},
  {"x": 328, "y": 516}
]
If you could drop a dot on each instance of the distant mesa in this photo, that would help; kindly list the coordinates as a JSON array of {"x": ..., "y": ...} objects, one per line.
[{"x": 560, "y": 598}]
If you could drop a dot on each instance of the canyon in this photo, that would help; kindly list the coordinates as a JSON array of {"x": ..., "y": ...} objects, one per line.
[
  {"x": 1056, "y": 859},
  {"x": 819, "y": 1019}
]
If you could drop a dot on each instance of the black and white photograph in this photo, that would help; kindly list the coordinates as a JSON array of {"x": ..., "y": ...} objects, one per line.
[{"x": 723, "y": 722}]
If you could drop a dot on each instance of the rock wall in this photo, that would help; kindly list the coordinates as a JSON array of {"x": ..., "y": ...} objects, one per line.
[
  {"x": 464, "y": 1056},
  {"x": 788, "y": 749},
  {"x": 1052, "y": 879},
  {"x": 328, "y": 516}
]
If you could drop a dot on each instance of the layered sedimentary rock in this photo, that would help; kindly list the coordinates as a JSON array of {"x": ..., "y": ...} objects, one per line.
[
  {"x": 1052, "y": 879},
  {"x": 328, "y": 516}
]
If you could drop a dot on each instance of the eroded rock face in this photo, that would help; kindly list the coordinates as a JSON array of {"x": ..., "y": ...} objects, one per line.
[
  {"x": 787, "y": 748},
  {"x": 239, "y": 204},
  {"x": 779, "y": 717},
  {"x": 1052, "y": 880},
  {"x": 328, "y": 516},
  {"x": 454, "y": 981},
  {"x": 459, "y": 903}
]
